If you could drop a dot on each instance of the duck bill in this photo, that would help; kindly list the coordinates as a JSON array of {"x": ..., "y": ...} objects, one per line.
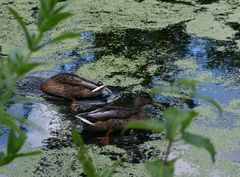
[{"x": 157, "y": 105}]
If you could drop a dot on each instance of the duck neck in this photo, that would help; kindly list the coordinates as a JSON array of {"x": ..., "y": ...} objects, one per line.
[{"x": 138, "y": 107}]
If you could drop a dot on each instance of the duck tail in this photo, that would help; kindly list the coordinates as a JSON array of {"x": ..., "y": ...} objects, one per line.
[
  {"x": 84, "y": 120},
  {"x": 108, "y": 90},
  {"x": 98, "y": 88}
]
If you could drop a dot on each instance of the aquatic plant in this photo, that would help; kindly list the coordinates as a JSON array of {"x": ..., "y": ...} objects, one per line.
[
  {"x": 176, "y": 122},
  {"x": 87, "y": 162},
  {"x": 16, "y": 65}
]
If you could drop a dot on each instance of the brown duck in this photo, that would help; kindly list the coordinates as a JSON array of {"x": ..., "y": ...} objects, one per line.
[
  {"x": 114, "y": 118},
  {"x": 72, "y": 87}
]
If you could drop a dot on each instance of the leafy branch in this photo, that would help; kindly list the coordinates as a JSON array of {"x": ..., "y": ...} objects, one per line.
[
  {"x": 17, "y": 65},
  {"x": 87, "y": 162},
  {"x": 176, "y": 122}
]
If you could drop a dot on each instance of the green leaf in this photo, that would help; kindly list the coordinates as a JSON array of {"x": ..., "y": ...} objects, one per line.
[
  {"x": 2, "y": 155},
  {"x": 188, "y": 84},
  {"x": 18, "y": 63},
  {"x": 6, "y": 115},
  {"x": 209, "y": 100},
  {"x": 200, "y": 142},
  {"x": 11, "y": 140},
  {"x": 26, "y": 154},
  {"x": 64, "y": 36},
  {"x": 25, "y": 68},
  {"x": 15, "y": 60},
  {"x": 51, "y": 4},
  {"x": 160, "y": 169},
  {"x": 22, "y": 24},
  {"x": 177, "y": 120},
  {"x": 108, "y": 172},
  {"x": 49, "y": 9},
  {"x": 77, "y": 139},
  {"x": 53, "y": 21},
  {"x": 83, "y": 155},
  {"x": 8, "y": 122},
  {"x": 15, "y": 141},
  {"x": 42, "y": 13},
  {"x": 172, "y": 123},
  {"x": 152, "y": 125},
  {"x": 58, "y": 38},
  {"x": 61, "y": 7},
  {"x": 6, "y": 159},
  {"x": 187, "y": 118}
]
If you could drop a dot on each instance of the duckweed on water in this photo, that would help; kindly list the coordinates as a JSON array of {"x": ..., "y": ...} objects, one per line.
[
  {"x": 212, "y": 22},
  {"x": 190, "y": 70},
  {"x": 187, "y": 64},
  {"x": 205, "y": 25},
  {"x": 64, "y": 163},
  {"x": 233, "y": 106},
  {"x": 237, "y": 123},
  {"x": 115, "y": 71},
  {"x": 106, "y": 15},
  {"x": 205, "y": 112},
  {"x": 51, "y": 163},
  {"x": 201, "y": 161}
]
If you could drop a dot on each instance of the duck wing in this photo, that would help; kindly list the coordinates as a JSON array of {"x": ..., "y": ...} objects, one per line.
[
  {"x": 75, "y": 80},
  {"x": 104, "y": 114}
]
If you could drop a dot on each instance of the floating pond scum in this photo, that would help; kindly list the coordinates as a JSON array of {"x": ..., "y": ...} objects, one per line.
[{"x": 133, "y": 46}]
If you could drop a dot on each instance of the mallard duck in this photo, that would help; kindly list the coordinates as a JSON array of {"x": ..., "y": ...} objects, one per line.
[
  {"x": 72, "y": 87},
  {"x": 110, "y": 119}
]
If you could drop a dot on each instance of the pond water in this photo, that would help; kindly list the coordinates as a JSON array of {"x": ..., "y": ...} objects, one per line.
[{"x": 147, "y": 58}]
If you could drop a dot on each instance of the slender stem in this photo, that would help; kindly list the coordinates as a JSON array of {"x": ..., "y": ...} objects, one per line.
[{"x": 167, "y": 152}]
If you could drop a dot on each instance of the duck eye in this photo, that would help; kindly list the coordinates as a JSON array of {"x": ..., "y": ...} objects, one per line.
[{"x": 146, "y": 95}]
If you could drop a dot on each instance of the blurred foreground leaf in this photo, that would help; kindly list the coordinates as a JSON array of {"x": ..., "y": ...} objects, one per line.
[
  {"x": 83, "y": 155},
  {"x": 6, "y": 159},
  {"x": 87, "y": 162},
  {"x": 109, "y": 171},
  {"x": 151, "y": 125},
  {"x": 209, "y": 100},
  {"x": 177, "y": 120},
  {"x": 200, "y": 142},
  {"x": 160, "y": 169},
  {"x": 22, "y": 24},
  {"x": 17, "y": 140}
]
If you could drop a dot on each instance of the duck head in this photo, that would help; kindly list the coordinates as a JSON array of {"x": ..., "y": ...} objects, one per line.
[{"x": 144, "y": 98}]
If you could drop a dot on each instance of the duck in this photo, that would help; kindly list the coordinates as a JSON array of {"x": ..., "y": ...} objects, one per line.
[
  {"x": 71, "y": 86},
  {"x": 111, "y": 118}
]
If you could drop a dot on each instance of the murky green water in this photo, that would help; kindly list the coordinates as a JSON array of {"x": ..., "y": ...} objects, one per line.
[{"x": 157, "y": 46}]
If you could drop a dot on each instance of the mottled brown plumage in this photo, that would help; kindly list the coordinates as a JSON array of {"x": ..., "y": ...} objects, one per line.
[
  {"x": 115, "y": 118},
  {"x": 70, "y": 86}
]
